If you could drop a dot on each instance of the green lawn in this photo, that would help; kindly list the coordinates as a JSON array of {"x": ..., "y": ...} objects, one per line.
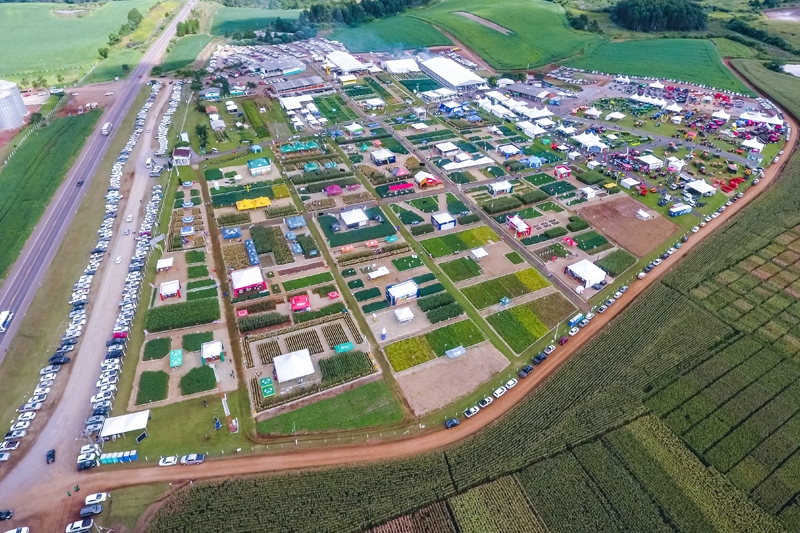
[
  {"x": 406, "y": 263},
  {"x": 240, "y": 19},
  {"x": 153, "y": 386},
  {"x": 128, "y": 505},
  {"x": 390, "y": 34},
  {"x": 32, "y": 176},
  {"x": 368, "y": 405},
  {"x": 185, "y": 52},
  {"x": 539, "y": 30},
  {"x": 657, "y": 58},
  {"x": 728, "y": 48},
  {"x": 44, "y": 40}
]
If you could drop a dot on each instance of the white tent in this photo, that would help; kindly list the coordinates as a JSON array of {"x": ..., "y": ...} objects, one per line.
[
  {"x": 293, "y": 365},
  {"x": 169, "y": 288},
  {"x": 753, "y": 144},
  {"x": 165, "y": 264},
  {"x": 403, "y": 315},
  {"x": 573, "y": 156},
  {"x": 545, "y": 122},
  {"x": 615, "y": 115},
  {"x": 248, "y": 277},
  {"x": 534, "y": 131},
  {"x": 478, "y": 253},
  {"x": 622, "y": 79},
  {"x": 211, "y": 350},
  {"x": 589, "y": 140},
  {"x": 701, "y": 187},
  {"x": 587, "y": 271},
  {"x": 657, "y": 85},
  {"x": 566, "y": 130},
  {"x": 400, "y": 66},
  {"x": 722, "y": 115},
  {"x": 118, "y": 425},
  {"x": 533, "y": 113},
  {"x": 629, "y": 182},
  {"x": 674, "y": 164},
  {"x": 467, "y": 164},
  {"x": 651, "y": 161},
  {"x": 674, "y": 108},
  {"x": 676, "y": 119},
  {"x": 592, "y": 112},
  {"x": 758, "y": 117},
  {"x": 588, "y": 192}
]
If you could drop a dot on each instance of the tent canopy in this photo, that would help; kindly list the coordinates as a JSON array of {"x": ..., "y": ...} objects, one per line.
[
  {"x": 248, "y": 277},
  {"x": 293, "y": 365},
  {"x": 404, "y": 314},
  {"x": 588, "y": 272},
  {"x": 211, "y": 350},
  {"x": 122, "y": 424},
  {"x": 165, "y": 263},
  {"x": 701, "y": 187},
  {"x": 175, "y": 358},
  {"x": 477, "y": 253}
]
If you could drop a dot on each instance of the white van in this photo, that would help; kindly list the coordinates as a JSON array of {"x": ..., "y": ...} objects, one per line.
[{"x": 149, "y": 162}]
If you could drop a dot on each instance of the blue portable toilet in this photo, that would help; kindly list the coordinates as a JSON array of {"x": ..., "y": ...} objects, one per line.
[
  {"x": 126, "y": 457},
  {"x": 134, "y": 455}
]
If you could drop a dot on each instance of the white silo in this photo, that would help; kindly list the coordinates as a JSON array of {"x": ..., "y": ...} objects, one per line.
[{"x": 12, "y": 108}]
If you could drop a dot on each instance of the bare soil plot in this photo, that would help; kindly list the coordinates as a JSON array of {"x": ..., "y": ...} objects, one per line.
[
  {"x": 427, "y": 389},
  {"x": 617, "y": 219},
  {"x": 484, "y": 22}
]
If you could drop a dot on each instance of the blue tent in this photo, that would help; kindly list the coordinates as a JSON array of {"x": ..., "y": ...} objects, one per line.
[
  {"x": 296, "y": 248},
  {"x": 252, "y": 255},
  {"x": 295, "y": 222},
  {"x": 532, "y": 162},
  {"x": 231, "y": 233},
  {"x": 290, "y": 236}
]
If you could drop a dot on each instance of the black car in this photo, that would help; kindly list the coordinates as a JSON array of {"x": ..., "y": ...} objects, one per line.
[
  {"x": 79, "y": 184},
  {"x": 51, "y": 457},
  {"x": 527, "y": 369},
  {"x": 539, "y": 358},
  {"x": 58, "y": 359},
  {"x": 6, "y": 515},
  {"x": 453, "y": 422},
  {"x": 91, "y": 510},
  {"x": 101, "y": 411},
  {"x": 69, "y": 342},
  {"x": 86, "y": 465},
  {"x": 649, "y": 268}
]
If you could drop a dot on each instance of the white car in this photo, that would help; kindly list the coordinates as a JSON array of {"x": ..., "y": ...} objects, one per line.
[
  {"x": 100, "y": 497},
  {"x": 469, "y": 412},
  {"x": 511, "y": 383},
  {"x": 695, "y": 229},
  {"x": 118, "y": 260},
  {"x": 499, "y": 392},
  {"x": 5, "y": 456},
  {"x": 101, "y": 396},
  {"x": 172, "y": 460},
  {"x": 41, "y": 390},
  {"x": 573, "y": 332},
  {"x": 47, "y": 377},
  {"x": 109, "y": 93},
  {"x": 87, "y": 457},
  {"x": 80, "y": 526},
  {"x": 26, "y": 417},
  {"x": 25, "y": 424},
  {"x": 550, "y": 349},
  {"x": 108, "y": 388}
]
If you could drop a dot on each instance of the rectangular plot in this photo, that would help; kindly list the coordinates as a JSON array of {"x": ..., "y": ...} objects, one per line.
[
  {"x": 478, "y": 296},
  {"x": 747, "y": 474},
  {"x": 497, "y": 506},
  {"x": 778, "y": 446},
  {"x": 779, "y": 488}
]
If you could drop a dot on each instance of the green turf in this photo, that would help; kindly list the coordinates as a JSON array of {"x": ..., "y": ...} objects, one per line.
[
  {"x": 153, "y": 387},
  {"x": 702, "y": 63},
  {"x": 32, "y": 176},
  {"x": 241, "y": 19},
  {"x": 539, "y": 34},
  {"x": 389, "y": 34},
  {"x": 43, "y": 40},
  {"x": 728, "y": 48},
  {"x": 367, "y": 405},
  {"x": 186, "y": 51},
  {"x": 129, "y": 505},
  {"x": 406, "y": 263}
]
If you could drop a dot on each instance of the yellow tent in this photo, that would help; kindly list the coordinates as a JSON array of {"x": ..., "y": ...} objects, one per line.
[
  {"x": 242, "y": 205},
  {"x": 262, "y": 201}
]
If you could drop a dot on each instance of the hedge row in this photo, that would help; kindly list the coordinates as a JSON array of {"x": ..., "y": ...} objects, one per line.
[
  {"x": 233, "y": 219},
  {"x": 421, "y": 229},
  {"x": 532, "y": 196},
  {"x": 431, "y": 289},
  {"x": 435, "y": 300},
  {"x": 332, "y": 309},
  {"x": 576, "y": 223},
  {"x": 446, "y": 312},
  {"x": 375, "y": 306},
  {"x": 367, "y": 294},
  {"x": 424, "y": 278},
  {"x": 498, "y": 205},
  {"x": 259, "y": 307},
  {"x": 319, "y": 175},
  {"x": 468, "y": 219},
  {"x": 182, "y": 315},
  {"x": 371, "y": 252},
  {"x": 251, "y": 322},
  {"x": 552, "y": 233}
]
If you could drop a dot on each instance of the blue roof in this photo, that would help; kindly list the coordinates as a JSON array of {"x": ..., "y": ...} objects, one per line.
[
  {"x": 231, "y": 233},
  {"x": 258, "y": 163},
  {"x": 295, "y": 222}
]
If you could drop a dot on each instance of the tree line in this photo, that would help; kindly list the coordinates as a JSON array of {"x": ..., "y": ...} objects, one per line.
[
  {"x": 659, "y": 15},
  {"x": 354, "y": 13},
  {"x": 739, "y": 26},
  {"x": 134, "y": 19},
  {"x": 190, "y": 26}
]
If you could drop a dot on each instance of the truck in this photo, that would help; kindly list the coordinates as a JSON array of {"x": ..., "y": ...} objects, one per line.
[
  {"x": 679, "y": 209},
  {"x": 106, "y": 128},
  {"x": 576, "y": 319}
]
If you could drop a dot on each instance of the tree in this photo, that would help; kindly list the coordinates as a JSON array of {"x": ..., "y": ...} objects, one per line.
[
  {"x": 156, "y": 71},
  {"x": 412, "y": 163},
  {"x": 492, "y": 81},
  {"x": 113, "y": 38},
  {"x": 24, "y": 82},
  {"x": 134, "y": 17},
  {"x": 251, "y": 85},
  {"x": 60, "y": 78},
  {"x": 36, "y": 118},
  {"x": 775, "y": 66},
  {"x": 125, "y": 68},
  {"x": 196, "y": 85},
  {"x": 103, "y": 52},
  {"x": 202, "y": 133},
  {"x": 199, "y": 107},
  {"x": 659, "y": 15}
]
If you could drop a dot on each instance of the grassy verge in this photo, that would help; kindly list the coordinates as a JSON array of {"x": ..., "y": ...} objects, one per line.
[
  {"x": 368, "y": 405},
  {"x": 40, "y": 329},
  {"x": 185, "y": 52},
  {"x": 127, "y": 505}
]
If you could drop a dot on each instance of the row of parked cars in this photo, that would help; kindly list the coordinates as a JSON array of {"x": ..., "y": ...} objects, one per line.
[
  {"x": 111, "y": 365},
  {"x": 166, "y": 120}
]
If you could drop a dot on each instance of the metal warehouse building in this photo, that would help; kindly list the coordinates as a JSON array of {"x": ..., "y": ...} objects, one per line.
[
  {"x": 12, "y": 108},
  {"x": 451, "y": 74},
  {"x": 284, "y": 66},
  {"x": 299, "y": 85}
]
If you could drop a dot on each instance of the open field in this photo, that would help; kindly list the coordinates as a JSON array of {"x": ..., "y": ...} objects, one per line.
[
  {"x": 390, "y": 34},
  {"x": 240, "y": 19},
  {"x": 186, "y": 51},
  {"x": 552, "y": 39},
  {"x": 52, "y": 41},
  {"x": 32, "y": 176},
  {"x": 702, "y": 63}
]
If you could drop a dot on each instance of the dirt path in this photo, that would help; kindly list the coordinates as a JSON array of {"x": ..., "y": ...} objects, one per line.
[{"x": 484, "y": 22}]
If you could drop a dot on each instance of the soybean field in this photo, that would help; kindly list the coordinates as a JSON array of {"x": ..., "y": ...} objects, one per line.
[
  {"x": 185, "y": 52},
  {"x": 241, "y": 19},
  {"x": 395, "y": 33}
]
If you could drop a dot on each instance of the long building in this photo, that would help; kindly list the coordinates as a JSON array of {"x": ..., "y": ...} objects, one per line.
[
  {"x": 299, "y": 85},
  {"x": 452, "y": 75},
  {"x": 284, "y": 66}
]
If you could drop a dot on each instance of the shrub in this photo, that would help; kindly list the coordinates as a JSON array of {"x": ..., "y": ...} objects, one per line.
[
  {"x": 446, "y": 312},
  {"x": 375, "y": 306},
  {"x": 182, "y": 315},
  {"x": 431, "y": 289},
  {"x": 616, "y": 262},
  {"x": 435, "y": 300},
  {"x": 280, "y": 191},
  {"x": 498, "y": 205},
  {"x": 421, "y": 229},
  {"x": 332, "y": 309},
  {"x": 157, "y": 348},
  {"x": 198, "y": 380},
  {"x": 367, "y": 294},
  {"x": 251, "y": 322},
  {"x": 576, "y": 223},
  {"x": 195, "y": 256},
  {"x": 280, "y": 211},
  {"x": 192, "y": 342},
  {"x": 153, "y": 387},
  {"x": 468, "y": 219},
  {"x": 532, "y": 196},
  {"x": 233, "y": 219},
  {"x": 552, "y": 233},
  {"x": 198, "y": 271},
  {"x": 259, "y": 307}
]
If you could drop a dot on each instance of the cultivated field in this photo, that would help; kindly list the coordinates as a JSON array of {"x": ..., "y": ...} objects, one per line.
[
  {"x": 185, "y": 52},
  {"x": 391, "y": 34},
  {"x": 239, "y": 19},
  {"x": 52, "y": 41}
]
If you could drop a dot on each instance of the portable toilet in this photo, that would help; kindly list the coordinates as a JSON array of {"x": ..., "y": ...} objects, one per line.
[
  {"x": 116, "y": 457},
  {"x": 104, "y": 459},
  {"x": 126, "y": 457},
  {"x": 134, "y": 455}
]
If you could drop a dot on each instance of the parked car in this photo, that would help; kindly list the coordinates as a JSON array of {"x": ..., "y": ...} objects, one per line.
[
  {"x": 6, "y": 515},
  {"x": 4, "y": 456},
  {"x": 549, "y": 349},
  {"x": 499, "y": 392},
  {"x": 17, "y": 434},
  {"x": 100, "y": 497},
  {"x": 50, "y": 456},
  {"x": 193, "y": 459},
  {"x": 91, "y": 510},
  {"x": 524, "y": 371},
  {"x": 483, "y": 404},
  {"x": 172, "y": 460},
  {"x": 80, "y": 526},
  {"x": 469, "y": 412},
  {"x": 451, "y": 423},
  {"x": 573, "y": 332},
  {"x": 511, "y": 383}
]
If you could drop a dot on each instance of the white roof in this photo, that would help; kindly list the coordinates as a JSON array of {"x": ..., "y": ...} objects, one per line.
[
  {"x": 541, "y": 95},
  {"x": 749, "y": 143},
  {"x": 622, "y": 79},
  {"x": 403, "y": 314},
  {"x": 380, "y": 272},
  {"x": 509, "y": 149},
  {"x": 675, "y": 108},
  {"x": 400, "y": 66},
  {"x": 523, "y": 124},
  {"x": 458, "y": 165},
  {"x": 403, "y": 289},
  {"x": 374, "y": 102},
  {"x": 721, "y": 114},
  {"x": 422, "y": 175},
  {"x": 293, "y": 365},
  {"x": 117, "y": 425},
  {"x": 629, "y": 182},
  {"x": 165, "y": 263},
  {"x": 246, "y": 277},
  {"x": 345, "y": 62},
  {"x": 675, "y": 163},
  {"x": 497, "y": 95},
  {"x": 169, "y": 288},
  {"x": 649, "y": 159},
  {"x": 545, "y": 122},
  {"x": 446, "y": 147},
  {"x": 588, "y": 272},
  {"x": 758, "y": 117},
  {"x": 660, "y": 102},
  {"x": 354, "y": 216},
  {"x": 615, "y": 115},
  {"x": 443, "y": 218},
  {"x": 566, "y": 130},
  {"x": 211, "y": 349},
  {"x": 592, "y": 112},
  {"x": 477, "y": 253},
  {"x": 590, "y": 139},
  {"x": 504, "y": 185},
  {"x": 701, "y": 186},
  {"x": 461, "y": 156},
  {"x": 518, "y": 223},
  {"x": 452, "y": 73},
  {"x": 354, "y": 127},
  {"x": 290, "y": 103},
  {"x": 534, "y": 130},
  {"x": 382, "y": 153},
  {"x": 347, "y": 77},
  {"x": 533, "y": 113},
  {"x": 657, "y": 85},
  {"x": 419, "y": 126}
]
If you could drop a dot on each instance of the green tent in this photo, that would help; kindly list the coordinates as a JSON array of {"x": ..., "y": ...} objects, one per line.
[{"x": 175, "y": 358}]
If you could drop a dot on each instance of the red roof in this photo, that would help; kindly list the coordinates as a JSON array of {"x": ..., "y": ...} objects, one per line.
[
  {"x": 181, "y": 152},
  {"x": 300, "y": 303}
]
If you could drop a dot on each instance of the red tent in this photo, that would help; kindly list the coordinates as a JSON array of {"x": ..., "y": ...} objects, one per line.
[
  {"x": 401, "y": 187},
  {"x": 332, "y": 190},
  {"x": 300, "y": 303}
]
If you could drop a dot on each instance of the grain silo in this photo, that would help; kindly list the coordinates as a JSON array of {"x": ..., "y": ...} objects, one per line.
[{"x": 12, "y": 108}]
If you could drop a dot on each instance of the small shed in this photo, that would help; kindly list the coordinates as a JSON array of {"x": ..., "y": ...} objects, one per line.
[
  {"x": 446, "y": 149},
  {"x": 382, "y": 157},
  {"x": 259, "y": 167},
  {"x": 168, "y": 289},
  {"x": 588, "y": 192},
  {"x": 211, "y": 351},
  {"x": 402, "y": 292},
  {"x": 424, "y": 179},
  {"x": 443, "y": 221},
  {"x": 164, "y": 264},
  {"x": 518, "y": 226},
  {"x": 593, "y": 164},
  {"x": 403, "y": 315},
  {"x": 629, "y": 183},
  {"x": 354, "y": 129},
  {"x": 501, "y": 187},
  {"x": 355, "y": 218}
]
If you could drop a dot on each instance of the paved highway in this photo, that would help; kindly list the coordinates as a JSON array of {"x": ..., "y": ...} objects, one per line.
[{"x": 40, "y": 250}]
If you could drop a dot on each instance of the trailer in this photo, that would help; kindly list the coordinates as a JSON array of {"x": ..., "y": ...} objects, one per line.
[{"x": 679, "y": 209}]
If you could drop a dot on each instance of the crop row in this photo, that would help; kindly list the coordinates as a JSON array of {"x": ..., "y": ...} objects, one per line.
[
  {"x": 182, "y": 315},
  {"x": 262, "y": 320},
  {"x": 344, "y": 367},
  {"x": 334, "y": 335},
  {"x": 307, "y": 339},
  {"x": 308, "y": 281},
  {"x": 496, "y": 506},
  {"x": 235, "y": 256},
  {"x": 270, "y": 239},
  {"x": 434, "y": 518},
  {"x": 267, "y": 351},
  {"x": 510, "y": 286},
  {"x": 460, "y": 242}
]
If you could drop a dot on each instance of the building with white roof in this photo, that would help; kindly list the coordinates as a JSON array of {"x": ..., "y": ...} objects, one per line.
[
  {"x": 590, "y": 140},
  {"x": 651, "y": 161},
  {"x": 443, "y": 221},
  {"x": 501, "y": 187},
  {"x": 447, "y": 149},
  {"x": 293, "y": 365},
  {"x": 701, "y": 187},
  {"x": 164, "y": 264},
  {"x": 345, "y": 63},
  {"x": 402, "y": 292},
  {"x": 403, "y": 315},
  {"x": 452, "y": 75},
  {"x": 587, "y": 272},
  {"x": 400, "y": 66},
  {"x": 168, "y": 289},
  {"x": 212, "y": 350},
  {"x": 247, "y": 279},
  {"x": 354, "y": 218},
  {"x": 383, "y": 156}
]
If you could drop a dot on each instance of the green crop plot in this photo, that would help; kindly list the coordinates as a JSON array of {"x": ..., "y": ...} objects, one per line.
[
  {"x": 395, "y": 33},
  {"x": 407, "y": 263},
  {"x": 461, "y": 269},
  {"x": 514, "y": 285},
  {"x": 42, "y": 39},
  {"x": 518, "y": 46},
  {"x": 32, "y": 176},
  {"x": 185, "y": 52},
  {"x": 240, "y": 19},
  {"x": 459, "y": 242},
  {"x": 657, "y": 58}
]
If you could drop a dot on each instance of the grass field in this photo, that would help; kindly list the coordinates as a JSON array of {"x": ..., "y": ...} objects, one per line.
[
  {"x": 657, "y": 58},
  {"x": 368, "y": 405},
  {"x": 32, "y": 176},
  {"x": 239, "y": 19},
  {"x": 185, "y": 52},
  {"x": 728, "y": 48},
  {"x": 129, "y": 505},
  {"x": 52, "y": 41},
  {"x": 390, "y": 34},
  {"x": 525, "y": 46}
]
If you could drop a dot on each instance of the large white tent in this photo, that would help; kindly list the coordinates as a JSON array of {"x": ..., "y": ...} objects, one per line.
[
  {"x": 674, "y": 108},
  {"x": 758, "y": 117},
  {"x": 753, "y": 144},
  {"x": 587, "y": 271},
  {"x": 592, "y": 112},
  {"x": 345, "y": 62},
  {"x": 615, "y": 115},
  {"x": 658, "y": 102},
  {"x": 118, "y": 425},
  {"x": 722, "y": 115},
  {"x": 293, "y": 365},
  {"x": 532, "y": 113},
  {"x": 451, "y": 74},
  {"x": 701, "y": 187},
  {"x": 589, "y": 140},
  {"x": 400, "y": 66},
  {"x": 657, "y": 85}
]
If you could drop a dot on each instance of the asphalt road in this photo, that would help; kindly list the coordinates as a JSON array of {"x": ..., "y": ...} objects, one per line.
[{"x": 40, "y": 250}]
